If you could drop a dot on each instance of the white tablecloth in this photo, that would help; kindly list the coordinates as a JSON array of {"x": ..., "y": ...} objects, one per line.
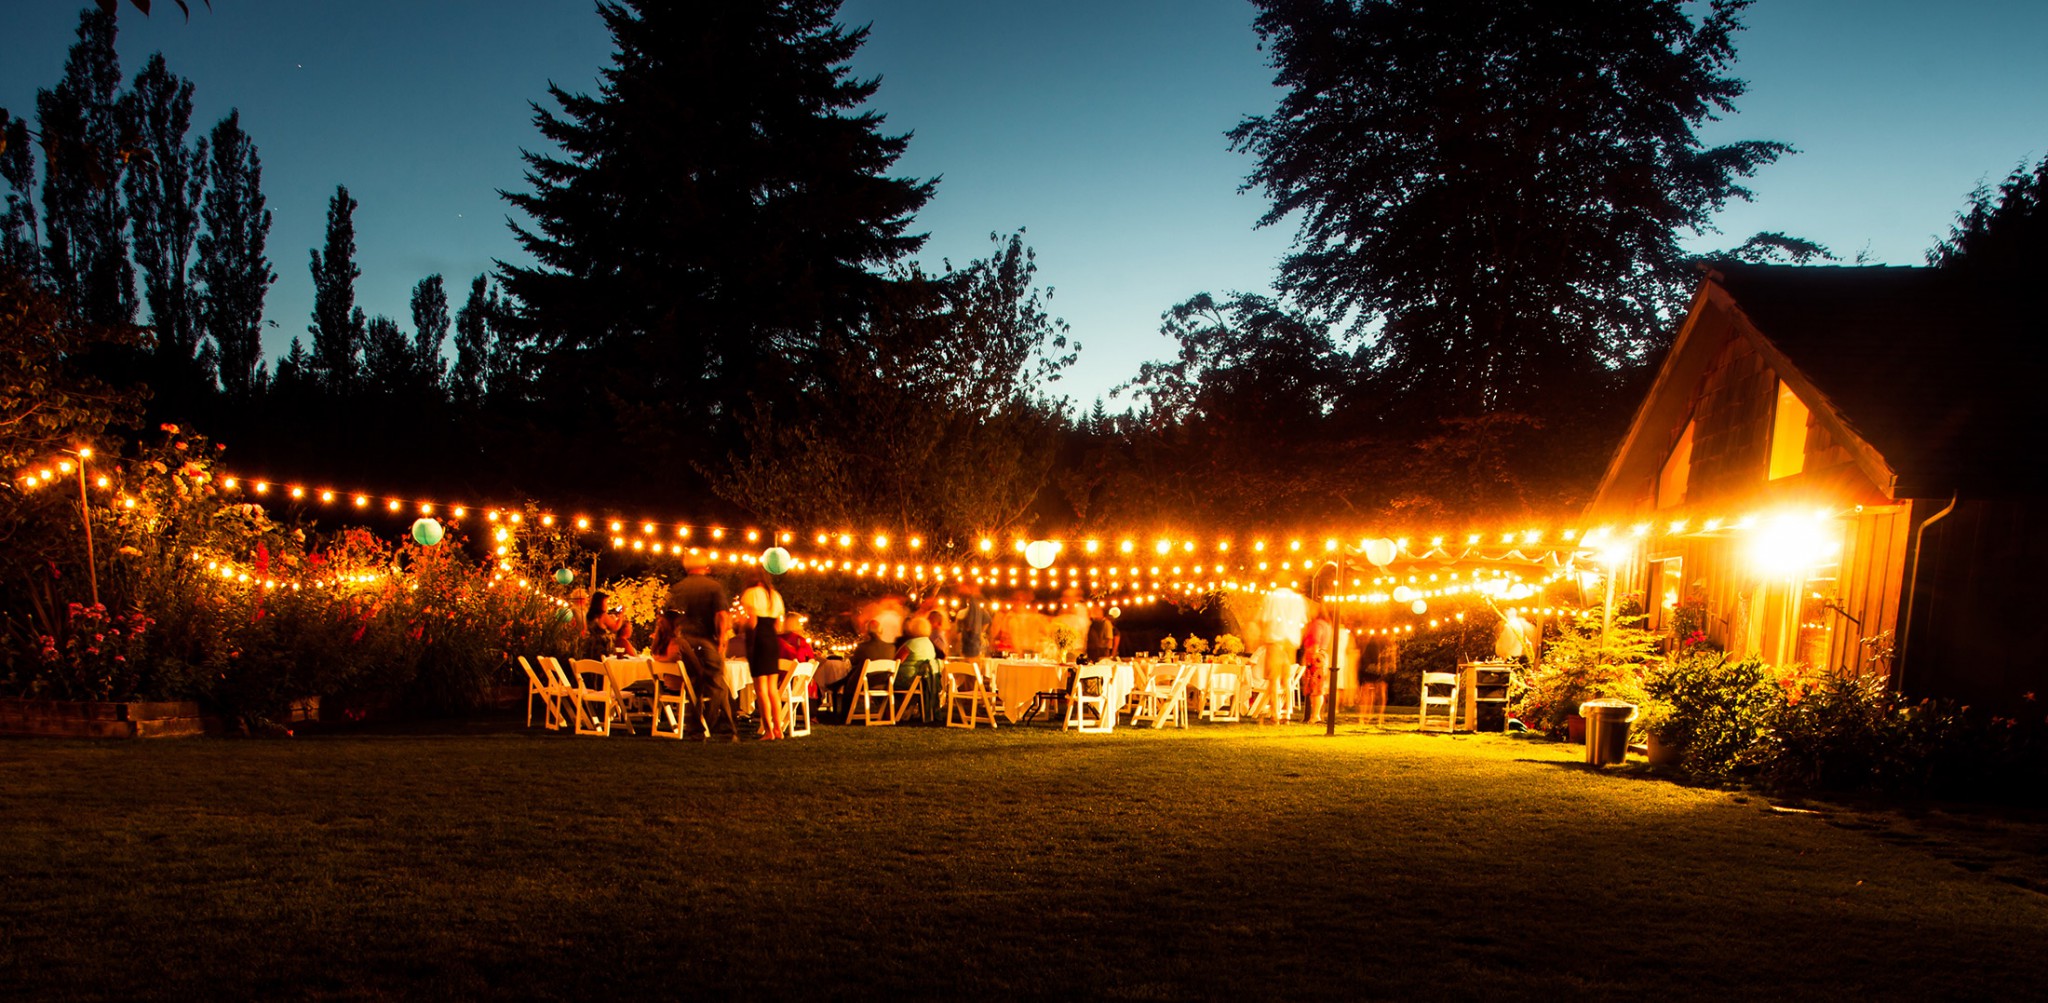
[{"x": 1018, "y": 680}]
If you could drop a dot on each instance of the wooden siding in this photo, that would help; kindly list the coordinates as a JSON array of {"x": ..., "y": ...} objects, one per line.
[{"x": 1873, "y": 575}]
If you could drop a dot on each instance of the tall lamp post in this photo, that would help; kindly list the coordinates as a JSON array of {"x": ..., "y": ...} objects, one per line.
[{"x": 1336, "y": 643}]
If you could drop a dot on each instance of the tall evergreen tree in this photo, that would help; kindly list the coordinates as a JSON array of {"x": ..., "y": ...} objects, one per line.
[
  {"x": 1495, "y": 189},
  {"x": 2003, "y": 235},
  {"x": 337, "y": 327},
  {"x": 85, "y": 220},
  {"x": 21, "y": 241},
  {"x": 722, "y": 202},
  {"x": 388, "y": 365},
  {"x": 165, "y": 180},
  {"x": 430, "y": 331},
  {"x": 466, "y": 381},
  {"x": 231, "y": 269}
]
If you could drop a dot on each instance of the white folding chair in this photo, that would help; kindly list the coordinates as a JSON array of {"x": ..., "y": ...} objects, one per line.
[
  {"x": 604, "y": 696},
  {"x": 548, "y": 693},
  {"x": 969, "y": 701},
  {"x": 866, "y": 694},
  {"x": 1219, "y": 700},
  {"x": 1092, "y": 690},
  {"x": 673, "y": 697},
  {"x": 1165, "y": 697},
  {"x": 1430, "y": 698},
  {"x": 796, "y": 695}
]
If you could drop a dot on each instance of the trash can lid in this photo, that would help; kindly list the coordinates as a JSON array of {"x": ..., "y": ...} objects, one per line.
[{"x": 1608, "y": 708}]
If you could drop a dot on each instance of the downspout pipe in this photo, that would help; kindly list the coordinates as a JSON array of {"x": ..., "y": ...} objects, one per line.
[{"x": 1912, "y": 590}]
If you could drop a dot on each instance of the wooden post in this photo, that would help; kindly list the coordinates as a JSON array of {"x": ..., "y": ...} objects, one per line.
[{"x": 92, "y": 572}]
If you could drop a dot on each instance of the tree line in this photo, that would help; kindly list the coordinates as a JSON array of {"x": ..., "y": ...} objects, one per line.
[{"x": 721, "y": 314}]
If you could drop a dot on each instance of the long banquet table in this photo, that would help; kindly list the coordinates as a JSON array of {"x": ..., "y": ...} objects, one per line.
[{"x": 1017, "y": 680}]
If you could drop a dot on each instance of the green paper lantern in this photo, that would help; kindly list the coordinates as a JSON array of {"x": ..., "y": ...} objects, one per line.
[
  {"x": 564, "y": 615},
  {"x": 426, "y": 532},
  {"x": 776, "y": 560},
  {"x": 564, "y": 576}
]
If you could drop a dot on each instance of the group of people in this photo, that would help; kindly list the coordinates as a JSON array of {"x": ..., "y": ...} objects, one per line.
[
  {"x": 694, "y": 633},
  {"x": 698, "y": 631}
]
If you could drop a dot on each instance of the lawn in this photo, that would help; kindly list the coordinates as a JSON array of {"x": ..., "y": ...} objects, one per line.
[{"x": 1222, "y": 861}]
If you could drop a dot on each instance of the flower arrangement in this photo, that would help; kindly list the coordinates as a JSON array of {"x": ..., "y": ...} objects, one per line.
[
  {"x": 1063, "y": 638},
  {"x": 1229, "y": 644},
  {"x": 1196, "y": 645},
  {"x": 1167, "y": 645}
]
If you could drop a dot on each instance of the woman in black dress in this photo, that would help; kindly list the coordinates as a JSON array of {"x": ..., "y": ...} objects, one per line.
[{"x": 762, "y": 605}]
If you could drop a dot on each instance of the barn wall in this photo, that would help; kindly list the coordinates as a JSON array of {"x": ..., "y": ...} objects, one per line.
[{"x": 1979, "y": 634}]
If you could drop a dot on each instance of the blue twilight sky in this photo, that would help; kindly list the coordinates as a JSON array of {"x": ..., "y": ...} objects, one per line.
[{"x": 1096, "y": 125}]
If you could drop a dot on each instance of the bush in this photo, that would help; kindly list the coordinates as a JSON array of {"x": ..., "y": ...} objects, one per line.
[
  {"x": 1579, "y": 665},
  {"x": 1719, "y": 710}
]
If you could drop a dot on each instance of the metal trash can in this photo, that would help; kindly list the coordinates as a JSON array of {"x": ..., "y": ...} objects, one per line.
[{"x": 1607, "y": 724}]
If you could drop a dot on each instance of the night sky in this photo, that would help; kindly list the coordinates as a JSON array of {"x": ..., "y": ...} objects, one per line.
[{"x": 1097, "y": 126}]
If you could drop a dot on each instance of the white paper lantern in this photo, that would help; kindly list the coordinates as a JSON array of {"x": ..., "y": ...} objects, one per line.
[
  {"x": 1419, "y": 606},
  {"x": 1380, "y": 551},
  {"x": 1041, "y": 553},
  {"x": 1403, "y": 593}
]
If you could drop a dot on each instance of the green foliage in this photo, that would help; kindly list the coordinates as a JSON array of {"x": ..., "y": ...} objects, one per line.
[
  {"x": 232, "y": 271},
  {"x": 248, "y": 614},
  {"x": 1720, "y": 710},
  {"x": 1504, "y": 184},
  {"x": 1579, "y": 665}
]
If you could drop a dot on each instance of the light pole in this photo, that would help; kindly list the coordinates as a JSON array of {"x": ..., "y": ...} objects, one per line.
[{"x": 92, "y": 574}]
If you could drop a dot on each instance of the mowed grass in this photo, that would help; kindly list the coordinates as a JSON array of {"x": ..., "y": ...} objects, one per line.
[{"x": 1226, "y": 861}]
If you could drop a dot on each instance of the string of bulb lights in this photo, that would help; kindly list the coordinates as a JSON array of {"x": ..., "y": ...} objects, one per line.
[{"x": 1133, "y": 568}]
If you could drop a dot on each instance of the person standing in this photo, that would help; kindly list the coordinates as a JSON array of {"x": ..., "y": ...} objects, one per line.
[
  {"x": 763, "y": 605},
  {"x": 1282, "y": 615},
  {"x": 1315, "y": 665},
  {"x": 974, "y": 626},
  {"x": 706, "y": 622},
  {"x": 1101, "y": 643}
]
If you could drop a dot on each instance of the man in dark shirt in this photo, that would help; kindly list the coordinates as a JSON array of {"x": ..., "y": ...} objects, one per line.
[{"x": 706, "y": 623}]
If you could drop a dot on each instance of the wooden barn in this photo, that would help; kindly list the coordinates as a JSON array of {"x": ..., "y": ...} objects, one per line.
[{"x": 1843, "y": 467}]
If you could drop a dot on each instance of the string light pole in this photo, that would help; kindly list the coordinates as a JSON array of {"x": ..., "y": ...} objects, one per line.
[{"x": 92, "y": 574}]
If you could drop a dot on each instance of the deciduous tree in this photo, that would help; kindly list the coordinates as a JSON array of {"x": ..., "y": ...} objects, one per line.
[{"x": 1494, "y": 190}]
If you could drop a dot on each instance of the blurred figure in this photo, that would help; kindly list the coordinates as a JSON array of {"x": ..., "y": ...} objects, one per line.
[
  {"x": 1102, "y": 637},
  {"x": 762, "y": 604},
  {"x": 1282, "y": 615},
  {"x": 975, "y": 623}
]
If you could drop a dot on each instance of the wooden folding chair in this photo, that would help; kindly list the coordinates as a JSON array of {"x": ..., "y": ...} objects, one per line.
[
  {"x": 913, "y": 695},
  {"x": 604, "y": 696},
  {"x": 673, "y": 698},
  {"x": 866, "y": 693},
  {"x": 549, "y": 694},
  {"x": 1219, "y": 698},
  {"x": 796, "y": 695},
  {"x": 1431, "y": 698},
  {"x": 1091, "y": 691},
  {"x": 1165, "y": 697},
  {"x": 969, "y": 701}
]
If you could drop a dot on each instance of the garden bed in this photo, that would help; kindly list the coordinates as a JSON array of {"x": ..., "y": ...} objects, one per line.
[{"x": 103, "y": 719}]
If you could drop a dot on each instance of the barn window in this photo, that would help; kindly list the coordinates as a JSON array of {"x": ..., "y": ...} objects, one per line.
[
  {"x": 1788, "y": 434},
  {"x": 1677, "y": 468}
]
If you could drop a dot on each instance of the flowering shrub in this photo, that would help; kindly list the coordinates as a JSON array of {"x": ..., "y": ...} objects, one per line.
[{"x": 219, "y": 602}]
